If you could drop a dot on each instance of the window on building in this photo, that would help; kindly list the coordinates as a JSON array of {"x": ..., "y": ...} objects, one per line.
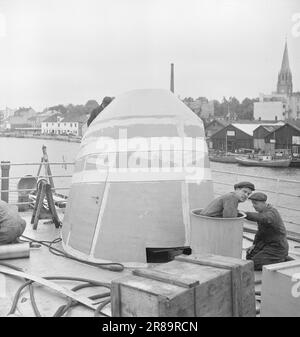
[
  {"x": 58, "y": 125},
  {"x": 46, "y": 124},
  {"x": 75, "y": 124},
  {"x": 296, "y": 140},
  {"x": 71, "y": 124}
]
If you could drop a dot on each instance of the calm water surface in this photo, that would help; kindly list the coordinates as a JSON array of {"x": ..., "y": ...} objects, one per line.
[{"x": 20, "y": 150}]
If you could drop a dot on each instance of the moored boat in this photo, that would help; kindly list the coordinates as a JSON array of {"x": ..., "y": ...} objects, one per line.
[
  {"x": 223, "y": 158},
  {"x": 267, "y": 161},
  {"x": 295, "y": 162}
]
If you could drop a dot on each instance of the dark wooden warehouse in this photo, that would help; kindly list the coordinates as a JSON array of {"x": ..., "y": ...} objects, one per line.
[
  {"x": 232, "y": 138},
  {"x": 286, "y": 137}
]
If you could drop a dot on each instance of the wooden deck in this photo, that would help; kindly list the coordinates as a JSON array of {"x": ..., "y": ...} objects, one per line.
[{"x": 43, "y": 263}]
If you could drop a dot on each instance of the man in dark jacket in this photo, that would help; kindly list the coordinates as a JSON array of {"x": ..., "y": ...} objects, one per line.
[
  {"x": 226, "y": 206},
  {"x": 270, "y": 243},
  {"x": 106, "y": 100},
  {"x": 12, "y": 225}
]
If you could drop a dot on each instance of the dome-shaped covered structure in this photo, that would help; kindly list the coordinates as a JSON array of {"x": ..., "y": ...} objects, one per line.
[{"x": 142, "y": 166}]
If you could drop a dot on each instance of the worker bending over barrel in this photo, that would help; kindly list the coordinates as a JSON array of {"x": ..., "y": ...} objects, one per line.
[
  {"x": 12, "y": 225},
  {"x": 226, "y": 206},
  {"x": 270, "y": 243}
]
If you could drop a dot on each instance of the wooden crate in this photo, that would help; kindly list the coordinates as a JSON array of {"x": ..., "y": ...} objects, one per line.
[
  {"x": 280, "y": 293},
  {"x": 189, "y": 286}
]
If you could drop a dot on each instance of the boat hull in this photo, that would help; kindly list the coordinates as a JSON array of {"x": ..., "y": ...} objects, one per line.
[
  {"x": 224, "y": 159},
  {"x": 266, "y": 163},
  {"x": 295, "y": 163}
]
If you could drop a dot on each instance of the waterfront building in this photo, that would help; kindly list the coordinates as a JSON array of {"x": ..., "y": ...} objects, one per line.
[
  {"x": 271, "y": 107},
  {"x": 237, "y": 135},
  {"x": 19, "y": 119},
  {"x": 294, "y": 106},
  {"x": 213, "y": 127},
  {"x": 58, "y": 124},
  {"x": 287, "y": 138},
  {"x": 260, "y": 133}
]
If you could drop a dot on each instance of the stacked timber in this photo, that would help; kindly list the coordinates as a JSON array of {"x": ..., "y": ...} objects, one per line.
[
  {"x": 189, "y": 286},
  {"x": 280, "y": 292}
]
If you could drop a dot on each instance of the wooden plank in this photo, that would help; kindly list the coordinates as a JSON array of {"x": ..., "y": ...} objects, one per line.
[
  {"x": 51, "y": 205},
  {"x": 283, "y": 265},
  {"x": 236, "y": 288},
  {"x": 177, "y": 280},
  {"x": 207, "y": 260},
  {"x": 38, "y": 205},
  {"x": 115, "y": 299},
  {"x": 60, "y": 289}
]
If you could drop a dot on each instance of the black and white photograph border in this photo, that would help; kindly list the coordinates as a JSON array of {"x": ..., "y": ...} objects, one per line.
[{"x": 150, "y": 161}]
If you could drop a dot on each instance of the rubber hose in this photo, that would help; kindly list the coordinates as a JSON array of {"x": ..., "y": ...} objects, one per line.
[{"x": 17, "y": 295}]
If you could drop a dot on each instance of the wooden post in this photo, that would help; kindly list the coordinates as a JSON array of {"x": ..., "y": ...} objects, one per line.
[
  {"x": 5, "y": 166},
  {"x": 48, "y": 172},
  {"x": 41, "y": 192}
]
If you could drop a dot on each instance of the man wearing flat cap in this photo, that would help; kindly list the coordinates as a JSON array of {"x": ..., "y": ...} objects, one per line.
[
  {"x": 270, "y": 243},
  {"x": 106, "y": 100},
  {"x": 226, "y": 206}
]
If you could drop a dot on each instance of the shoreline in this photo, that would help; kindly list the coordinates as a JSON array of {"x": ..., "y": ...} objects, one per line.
[{"x": 56, "y": 137}]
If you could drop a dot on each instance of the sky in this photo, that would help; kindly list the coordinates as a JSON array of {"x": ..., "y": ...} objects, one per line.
[{"x": 69, "y": 51}]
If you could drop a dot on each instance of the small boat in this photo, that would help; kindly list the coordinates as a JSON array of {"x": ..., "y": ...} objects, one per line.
[
  {"x": 295, "y": 162},
  {"x": 267, "y": 161},
  {"x": 223, "y": 158}
]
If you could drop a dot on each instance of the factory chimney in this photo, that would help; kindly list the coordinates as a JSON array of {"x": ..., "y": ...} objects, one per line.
[{"x": 172, "y": 78}]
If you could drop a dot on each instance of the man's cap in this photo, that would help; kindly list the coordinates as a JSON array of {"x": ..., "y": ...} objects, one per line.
[
  {"x": 106, "y": 99},
  {"x": 258, "y": 196},
  {"x": 245, "y": 184}
]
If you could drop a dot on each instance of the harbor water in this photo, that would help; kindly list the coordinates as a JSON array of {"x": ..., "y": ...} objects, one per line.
[{"x": 282, "y": 185}]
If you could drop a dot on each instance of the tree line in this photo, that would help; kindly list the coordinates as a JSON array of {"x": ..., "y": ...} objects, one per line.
[{"x": 231, "y": 108}]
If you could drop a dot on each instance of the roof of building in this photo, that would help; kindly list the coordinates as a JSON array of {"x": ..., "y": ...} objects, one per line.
[
  {"x": 52, "y": 118},
  {"x": 270, "y": 128},
  {"x": 295, "y": 124},
  {"x": 66, "y": 119},
  {"x": 222, "y": 122},
  {"x": 249, "y": 128},
  {"x": 75, "y": 119}
]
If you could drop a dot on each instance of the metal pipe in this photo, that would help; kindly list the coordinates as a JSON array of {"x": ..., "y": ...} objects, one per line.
[
  {"x": 26, "y": 164},
  {"x": 256, "y": 176},
  {"x": 14, "y": 251},
  {"x": 33, "y": 189},
  {"x": 64, "y": 176}
]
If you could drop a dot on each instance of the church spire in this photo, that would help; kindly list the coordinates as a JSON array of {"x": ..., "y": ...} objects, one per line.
[
  {"x": 285, "y": 82},
  {"x": 285, "y": 66}
]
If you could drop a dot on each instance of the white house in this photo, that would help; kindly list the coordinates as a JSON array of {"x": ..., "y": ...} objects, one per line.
[{"x": 59, "y": 125}]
